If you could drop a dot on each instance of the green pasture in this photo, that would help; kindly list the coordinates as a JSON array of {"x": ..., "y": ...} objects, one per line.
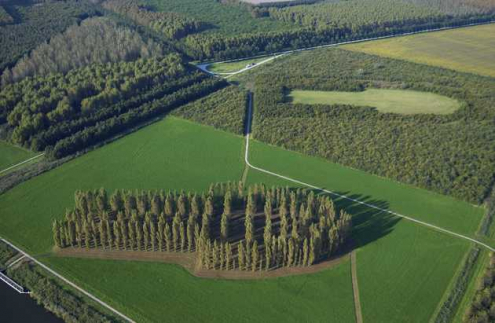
[
  {"x": 470, "y": 49},
  {"x": 386, "y": 101},
  {"x": 170, "y": 154},
  {"x": 404, "y": 269},
  {"x": 154, "y": 292},
  {"x": 11, "y": 155}
]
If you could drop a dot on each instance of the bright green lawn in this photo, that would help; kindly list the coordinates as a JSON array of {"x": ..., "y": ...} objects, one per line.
[
  {"x": 171, "y": 154},
  {"x": 233, "y": 66},
  {"x": 470, "y": 49},
  {"x": 11, "y": 155},
  {"x": 403, "y": 269},
  {"x": 387, "y": 101},
  {"x": 167, "y": 293}
]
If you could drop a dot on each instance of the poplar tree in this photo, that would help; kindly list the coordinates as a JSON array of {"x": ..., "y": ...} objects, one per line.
[
  {"x": 168, "y": 237},
  {"x": 254, "y": 256},
  {"x": 290, "y": 253},
  {"x": 86, "y": 234},
  {"x": 305, "y": 261},
  {"x": 125, "y": 234},
  {"x": 109, "y": 232},
  {"x": 227, "y": 203},
  {"x": 209, "y": 209},
  {"x": 103, "y": 234},
  {"x": 116, "y": 233},
  {"x": 215, "y": 255},
  {"x": 195, "y": 211},
  {"x": 102, "y": 200},
  {"x": 139, "y": 234},
  {"x": 267, "y": 234},
  {"x": 240, "y": 255},
  {"x": 159, "y": 232},
  {"x": 175, "y": 235},
  {"x": 221, "y": 256},
  {"x": 224, "y": 227},
  {"x": 156, "y": 205},
  {"x": 182, "y": 236},
  {"x": 181, "y": 205},
  {"x": 146, "y": 236},
  {"x": 116, "y": 201},
  {"x": 190, "y": 233},
  {"x": 248, "y": 224},
  {"x": 205, "y": 226},
  {"x": 169, "y": 206},
  {"x": 153, "y": 235},
  {"x": 228, "y": 256},
  {"x": 56, "y": 234}
]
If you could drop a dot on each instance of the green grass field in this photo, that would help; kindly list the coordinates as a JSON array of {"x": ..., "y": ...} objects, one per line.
[
  {"x": 171, "y": 154},
  {"x": 233, "y": 66},
  {"x": 403, "y": 269},
  {"x": 470, "y": 49},
  {"x": 155, "y": 292},
  {"x": 386, "y": 101},
  {"x": 11, "y": 155}
]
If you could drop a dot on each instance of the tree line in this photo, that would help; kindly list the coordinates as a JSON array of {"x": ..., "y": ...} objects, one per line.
[
  {"x": 5, "y": 18},
  {"x": 96, "y": 40},
  {"x": 37, "y": 103},
  {"x": 229, "y": 227},
  {"x": 482, "y": 309},
  {"x": 171, "y": 24},
  {"x": 217, "y": 46}
]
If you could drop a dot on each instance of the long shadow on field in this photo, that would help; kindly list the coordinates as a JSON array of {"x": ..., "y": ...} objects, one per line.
[{"x": 368, "y": 224}]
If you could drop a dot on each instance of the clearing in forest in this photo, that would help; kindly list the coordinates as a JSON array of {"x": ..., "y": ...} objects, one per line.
[
  {"x": 386, "y": 101},
  {"x": 469, "y": 49}
]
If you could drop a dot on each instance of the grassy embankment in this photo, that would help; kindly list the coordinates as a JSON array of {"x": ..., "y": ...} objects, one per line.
[
  {"x": 466, "y": 49},
  {"x": 386, "y": 101}
]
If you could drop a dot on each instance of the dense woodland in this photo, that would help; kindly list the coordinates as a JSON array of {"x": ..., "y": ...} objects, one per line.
[
  {"x": 172, "y": 25},
  {"x": 5, "y": 18},
  {"x": 217, "y": 110},
  {"x": 95, "y": 40},
  {"x": 451, "y": 154},
  {"x": 482, "y": 309},
  {"x": 229, "y": 227},
  {"x": 67, "y": 113},
  {"x": 37, "y": 24}
]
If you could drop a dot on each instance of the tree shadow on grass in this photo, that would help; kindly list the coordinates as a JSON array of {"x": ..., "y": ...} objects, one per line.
[{"x": 368, "y": 224}]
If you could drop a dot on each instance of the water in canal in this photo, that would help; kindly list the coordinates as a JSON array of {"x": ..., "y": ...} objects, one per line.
[{"x": 20, "y": 308}]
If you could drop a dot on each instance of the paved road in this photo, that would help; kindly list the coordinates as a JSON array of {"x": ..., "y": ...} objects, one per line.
[
  {"x": 204, "y": 66},
  {"x": 68, "y": 282},
  {"x": 246, "y": 159}
]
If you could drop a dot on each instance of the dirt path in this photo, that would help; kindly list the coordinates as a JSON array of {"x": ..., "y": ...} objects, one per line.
[
  {"x": 188, "y": 261},
  {"x": 355, "y": 288}
]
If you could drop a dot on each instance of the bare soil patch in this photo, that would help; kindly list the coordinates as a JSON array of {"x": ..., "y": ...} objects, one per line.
[{"x": 188, "y": 261}]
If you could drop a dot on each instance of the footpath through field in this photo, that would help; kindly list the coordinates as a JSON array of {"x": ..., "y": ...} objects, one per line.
[{"x": 246, "y": 159}]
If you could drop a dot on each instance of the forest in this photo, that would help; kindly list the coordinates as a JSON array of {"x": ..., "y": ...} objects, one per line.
[
  {"x": 37, "y": 24},
  {"x": 482, "y": 309},
  {"x": 5, "y": 18},
  {"x": 217, "y": 109},
  {"x": 450, "y": 154},
  {"x": 96, "y": 40},
  {"x": 229, "y": 227},
  {"x": 70, "y": 112},
  {"x": 172, "y": 25}
]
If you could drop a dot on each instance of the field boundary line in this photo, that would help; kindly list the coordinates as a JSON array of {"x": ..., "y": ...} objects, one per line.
[
  {"x": 21, "y": 163},
  {"x": 432, "y": 226},
  {"x": 65, "y": 280},
  {"x": 355, "y": 288}
]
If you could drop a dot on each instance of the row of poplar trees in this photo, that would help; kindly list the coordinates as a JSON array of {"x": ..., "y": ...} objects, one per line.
[{"x": 229, "y": 227}]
